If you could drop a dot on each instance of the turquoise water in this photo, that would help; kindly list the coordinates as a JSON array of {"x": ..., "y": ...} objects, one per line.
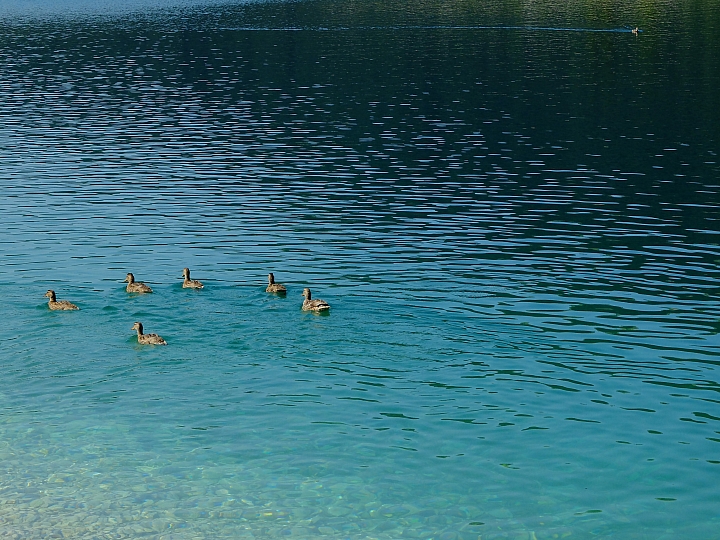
[{"x": 512, "y": 208}]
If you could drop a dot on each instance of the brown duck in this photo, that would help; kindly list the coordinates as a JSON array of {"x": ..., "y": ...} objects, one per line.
[
  {"x": 190, "y": 283},
  {"x": 313, "y": 305},
  {"x": 136, "y": 286},
  {"x": 147, "y": 339},
  {"x": 274, "y": 287},
  {"x": 62, "y": 305}
]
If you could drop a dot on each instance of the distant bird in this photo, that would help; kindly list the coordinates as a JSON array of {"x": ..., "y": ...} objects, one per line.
[
  {"x": 134, "y": 286},
  {"x": 190, "y": 283},
  {"x": 274, "y": 287},
  {"x": 62, "y": 305},
  {"x": 313, "y": 305},
  {"x": 147, "y": 339},
  {"x": 635, "y": 30}
]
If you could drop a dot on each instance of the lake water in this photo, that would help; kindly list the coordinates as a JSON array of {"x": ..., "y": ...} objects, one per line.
[{"x": 513, "y": 208}]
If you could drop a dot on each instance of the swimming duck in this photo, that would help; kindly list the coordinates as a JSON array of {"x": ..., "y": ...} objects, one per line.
[
  {"x": 147, "y": 339},
  {"x": 190, "y": 283},
  {"x": 274, "y": 287},
  {"x": 313, "y": 305},
  {"x": 62, "y": 305},
  {"x": 134, "y": 286},
  {"x": 635, "y": 30}
]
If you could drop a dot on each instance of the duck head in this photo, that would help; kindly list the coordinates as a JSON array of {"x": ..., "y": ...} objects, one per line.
[
  {"x": 306, "y": 293},
  {"x": 271, "y": 278},
  {"x": 51, "y": 295},
  {"x": 138, "y": 326},
  {"x": 130, "y": 278},
  {"x": 186, "y": 273}
]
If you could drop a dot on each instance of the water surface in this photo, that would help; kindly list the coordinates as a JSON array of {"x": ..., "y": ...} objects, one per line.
[{"x": 512, "y": 209}]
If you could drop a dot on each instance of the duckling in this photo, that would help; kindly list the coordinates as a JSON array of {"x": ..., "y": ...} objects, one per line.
[
  {"x": 62, "y": 305},
  {"x": 274, "y": 287},
  {"x": 147, "y": 339},
  {"x": 190, "y": 283},
  {"x": 134, "y": 286},
  {"x": 313, "y": 305}
]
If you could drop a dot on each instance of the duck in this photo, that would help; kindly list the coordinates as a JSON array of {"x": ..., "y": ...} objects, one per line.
[
  {"x": 635, "y": 30},
  {"x": 62, "y": 305},
  {"x": 313, "y": 305},
  {"x": 147, "y": 339},
  {"x": 136, "y": 286},
  {"x": 274, "y": 287},
  {"x": 190, "y": 283}
]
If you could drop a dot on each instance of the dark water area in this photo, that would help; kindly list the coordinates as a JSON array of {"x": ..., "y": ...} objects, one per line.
[{"x": 512, "y": 208}]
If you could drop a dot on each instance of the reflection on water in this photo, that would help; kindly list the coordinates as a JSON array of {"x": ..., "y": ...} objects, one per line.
[{"x": 517, "y": 231}]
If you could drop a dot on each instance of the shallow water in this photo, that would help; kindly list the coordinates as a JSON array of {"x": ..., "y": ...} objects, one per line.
[{"x": 516, "y": 228}]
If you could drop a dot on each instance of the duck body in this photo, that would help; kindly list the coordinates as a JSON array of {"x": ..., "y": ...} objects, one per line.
[
  {"x": 190, "y": 283},
  {"x": 273, "y": 287},
  {"x": 62, "y": 305},
  {"x": 309, "y": 304},
  {"x": 136, "y": 286},
  {"x": 147, "y": 339}
]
